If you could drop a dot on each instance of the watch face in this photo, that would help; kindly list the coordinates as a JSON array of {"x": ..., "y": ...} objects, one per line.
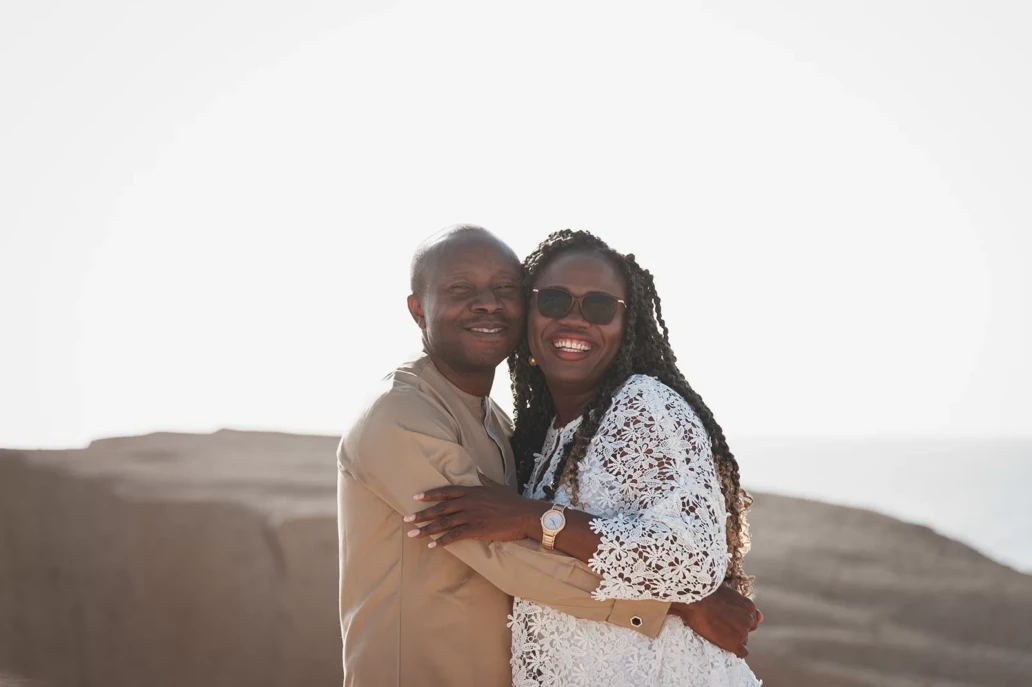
[{"x": 553, "y": 520}]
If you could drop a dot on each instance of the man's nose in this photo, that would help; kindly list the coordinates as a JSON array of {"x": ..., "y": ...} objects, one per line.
[{"x": 487, "y": 301}]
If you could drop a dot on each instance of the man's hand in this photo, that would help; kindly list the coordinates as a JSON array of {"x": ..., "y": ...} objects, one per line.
[{"x": 724, "y": 618}]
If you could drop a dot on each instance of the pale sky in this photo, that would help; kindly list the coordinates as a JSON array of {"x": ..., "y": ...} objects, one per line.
[{"x": 208, "y": 207}]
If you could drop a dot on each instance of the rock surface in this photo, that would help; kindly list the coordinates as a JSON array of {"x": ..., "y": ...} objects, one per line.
[{"x": 210, "y": 560}]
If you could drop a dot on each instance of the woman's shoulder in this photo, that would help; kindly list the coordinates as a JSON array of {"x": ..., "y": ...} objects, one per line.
[
  {"x": 652, "y": 411},
  {"x": 648, "y": 392},
  {"x": 647, "y": 387}
]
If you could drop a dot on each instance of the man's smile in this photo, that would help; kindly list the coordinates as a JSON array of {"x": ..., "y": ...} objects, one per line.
[{"x": 488, "y": 329}]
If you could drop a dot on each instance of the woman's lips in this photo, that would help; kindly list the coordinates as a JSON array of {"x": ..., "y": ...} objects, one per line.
[{"x": 569, "y": 348}]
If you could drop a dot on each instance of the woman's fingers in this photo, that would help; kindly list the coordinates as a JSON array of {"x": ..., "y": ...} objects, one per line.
[
  {"x": 434, "y": 512},
  {"x": 459, "y": 533},
  {"x": 450, "y": 516},
  {"x": 443, "y": 493},
  {"x": 437, "y": 526}
]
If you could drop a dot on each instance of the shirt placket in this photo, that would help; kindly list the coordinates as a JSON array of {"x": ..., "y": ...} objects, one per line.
[{"x": 492, "y": 432}]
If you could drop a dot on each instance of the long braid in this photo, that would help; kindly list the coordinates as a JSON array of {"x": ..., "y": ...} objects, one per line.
[{"x": 644, "y": 349}]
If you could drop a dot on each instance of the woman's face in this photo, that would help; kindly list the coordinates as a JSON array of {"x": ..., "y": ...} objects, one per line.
[{"x": 571, "y": 351}]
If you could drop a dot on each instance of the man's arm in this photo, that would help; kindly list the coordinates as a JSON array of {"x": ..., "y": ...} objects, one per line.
[{"x": 407, "y": 444}]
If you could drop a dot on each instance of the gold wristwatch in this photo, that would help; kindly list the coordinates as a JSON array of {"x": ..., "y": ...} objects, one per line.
[{"x": 552, "y": 523}]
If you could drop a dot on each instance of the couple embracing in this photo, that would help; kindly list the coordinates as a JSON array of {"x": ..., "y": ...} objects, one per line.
[{"x": 597, "y": 540}]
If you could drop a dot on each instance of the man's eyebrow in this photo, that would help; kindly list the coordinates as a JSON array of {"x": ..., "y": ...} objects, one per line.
[
  {"x": 465, "y": 274},
  {"x": 452, "y": 276}
]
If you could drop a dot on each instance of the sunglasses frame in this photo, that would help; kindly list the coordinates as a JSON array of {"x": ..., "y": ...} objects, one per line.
[{"x": 579, "y": 302}]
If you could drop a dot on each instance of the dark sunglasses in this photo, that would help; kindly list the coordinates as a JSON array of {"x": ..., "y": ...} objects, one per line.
[{"x": 596, "y": 308}]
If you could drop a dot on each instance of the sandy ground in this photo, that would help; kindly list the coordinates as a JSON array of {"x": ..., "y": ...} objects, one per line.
[{"x": 211, "y": 560}]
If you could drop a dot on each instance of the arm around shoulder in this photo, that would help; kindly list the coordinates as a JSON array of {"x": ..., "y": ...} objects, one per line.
[{"x": 406, "y": 443}]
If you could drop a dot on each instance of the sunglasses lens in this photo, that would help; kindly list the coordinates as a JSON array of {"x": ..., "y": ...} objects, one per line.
[
  {"x": 599, "y": 309},
  {"x": 554, "y": 303}
]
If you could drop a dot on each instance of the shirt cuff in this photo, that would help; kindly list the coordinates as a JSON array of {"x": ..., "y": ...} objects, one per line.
[{"x": 646, "y": 617}]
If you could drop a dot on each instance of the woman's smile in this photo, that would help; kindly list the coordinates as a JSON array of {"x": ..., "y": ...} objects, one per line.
[{"x": 571, "y": 348}]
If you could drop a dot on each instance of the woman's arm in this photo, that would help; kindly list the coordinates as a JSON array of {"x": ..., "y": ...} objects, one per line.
[
  {"x": 576, "y": 539},
  {"x": 496, "y": 513},
  {"x": 724, "y": 618},
  {"x": 669, "y": 540}
]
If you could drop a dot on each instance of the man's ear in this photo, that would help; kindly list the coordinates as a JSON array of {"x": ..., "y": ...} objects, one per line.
[{"x": 415, "y": 309}]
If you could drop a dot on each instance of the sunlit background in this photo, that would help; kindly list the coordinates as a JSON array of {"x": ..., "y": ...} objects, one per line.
[{"x": 208, "y": 210}]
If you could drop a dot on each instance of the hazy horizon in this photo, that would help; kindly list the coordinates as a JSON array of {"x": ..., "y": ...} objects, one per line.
[{"x": 912, "y": 478}]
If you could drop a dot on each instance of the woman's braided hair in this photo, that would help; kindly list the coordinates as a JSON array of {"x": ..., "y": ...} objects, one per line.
[{"x": 644, "y": 349}]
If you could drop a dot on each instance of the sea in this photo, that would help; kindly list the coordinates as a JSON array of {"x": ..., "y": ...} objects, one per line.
[{"x": 973, "y": 490}]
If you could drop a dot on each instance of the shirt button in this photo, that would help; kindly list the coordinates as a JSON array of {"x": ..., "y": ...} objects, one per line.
[{"x": 636, "y": 621}]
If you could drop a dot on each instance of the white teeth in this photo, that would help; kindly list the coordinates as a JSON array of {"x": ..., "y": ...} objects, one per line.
[
  {"x": 487, "y": 331},
  {"x": 571, "y": 346}
]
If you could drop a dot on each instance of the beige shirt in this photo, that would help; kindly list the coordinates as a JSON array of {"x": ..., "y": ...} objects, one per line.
[{"x": 411, "y": 615}]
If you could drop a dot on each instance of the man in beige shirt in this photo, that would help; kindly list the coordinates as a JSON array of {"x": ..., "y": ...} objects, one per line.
[{"x": 413, "y": 615}]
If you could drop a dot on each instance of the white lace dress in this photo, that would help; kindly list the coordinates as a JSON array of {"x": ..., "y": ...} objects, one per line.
[{"x": 649, "y": 477}]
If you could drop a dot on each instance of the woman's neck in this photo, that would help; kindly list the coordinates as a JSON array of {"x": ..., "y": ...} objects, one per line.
[{"x": 570, "y": 403}]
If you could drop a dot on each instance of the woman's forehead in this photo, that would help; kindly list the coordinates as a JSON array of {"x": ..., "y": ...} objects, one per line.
[{"x": 583, "y": 271}]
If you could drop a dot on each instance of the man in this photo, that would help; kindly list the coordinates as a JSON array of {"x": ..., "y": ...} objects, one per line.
[{"x": 413, "y": 615}]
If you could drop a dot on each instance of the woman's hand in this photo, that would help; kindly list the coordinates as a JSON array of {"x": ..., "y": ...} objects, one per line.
[{"x": 493, "y": 512}]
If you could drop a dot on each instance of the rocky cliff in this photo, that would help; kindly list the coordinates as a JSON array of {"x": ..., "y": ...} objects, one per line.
[{"x": 210, "y": 560}]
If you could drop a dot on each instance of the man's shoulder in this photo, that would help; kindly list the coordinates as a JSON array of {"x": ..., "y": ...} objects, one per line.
[
  {"x": 403, "y": 401},
  {"x": 403, "y": 393}
]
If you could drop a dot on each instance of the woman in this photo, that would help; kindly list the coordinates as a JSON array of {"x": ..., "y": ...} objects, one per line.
[{"x": 607, "y": 427}]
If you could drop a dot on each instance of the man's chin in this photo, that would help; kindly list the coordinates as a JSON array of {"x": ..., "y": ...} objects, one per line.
[
  {"x": 486, "y": 362},
  {"x": 488, "y": 358},
  {"x": 476, "y": 341}
]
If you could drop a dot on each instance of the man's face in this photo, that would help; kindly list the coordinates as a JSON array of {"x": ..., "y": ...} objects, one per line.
[{"x": 471, "y": 307}]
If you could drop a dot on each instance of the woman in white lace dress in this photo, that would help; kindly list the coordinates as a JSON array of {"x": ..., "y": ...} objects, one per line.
[{"x": 607, "y": 426}]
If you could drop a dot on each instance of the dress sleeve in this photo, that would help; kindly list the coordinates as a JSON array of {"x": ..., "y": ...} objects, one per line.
[{"x": 668, "y": 538}]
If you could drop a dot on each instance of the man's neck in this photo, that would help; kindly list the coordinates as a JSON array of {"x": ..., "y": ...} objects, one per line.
[{"x": 476, "y": 383}]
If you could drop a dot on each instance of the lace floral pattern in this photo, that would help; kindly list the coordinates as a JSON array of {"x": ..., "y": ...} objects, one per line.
[{"x": 649, "y": 478}]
